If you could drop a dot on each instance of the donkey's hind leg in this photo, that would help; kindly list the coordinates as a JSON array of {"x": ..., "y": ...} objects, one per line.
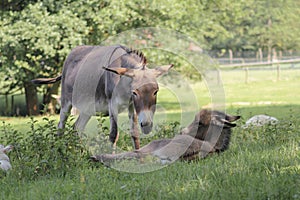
[
  {"x": 64, "y": 114},
  {"x": 81, "y": 122}
]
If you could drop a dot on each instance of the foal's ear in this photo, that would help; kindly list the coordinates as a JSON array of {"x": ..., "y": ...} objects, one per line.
[
  {"x": 232, "y": 118},
  {"x": 121, "y": 71},
  {"x": 162, "y": 70},
  {"x": 220, "y": 121}
]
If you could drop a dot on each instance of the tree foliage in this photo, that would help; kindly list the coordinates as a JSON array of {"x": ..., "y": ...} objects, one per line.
[{"x": 37, "y": 35}]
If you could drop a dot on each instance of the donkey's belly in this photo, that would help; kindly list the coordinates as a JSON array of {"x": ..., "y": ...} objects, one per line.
[{"x": 102, "y": 107}]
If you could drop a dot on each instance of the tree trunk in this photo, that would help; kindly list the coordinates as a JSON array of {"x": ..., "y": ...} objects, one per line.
[
  {"x": 269, "y": 54},
  {"x": 6, "y": 105},
  {"x": 31, "y": 98},
  {"x": 48, "y": 100},
  {"x": 269, "y": 41},
  {"x": 230, "y": 56},
  {"x": 280, "y": 55},
  {"x": 260, "y": 54},
  {"x": 274, "y": 55}
]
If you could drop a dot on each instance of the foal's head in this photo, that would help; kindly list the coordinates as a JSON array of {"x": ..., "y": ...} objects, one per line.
[{"x": 212, "y": 126}]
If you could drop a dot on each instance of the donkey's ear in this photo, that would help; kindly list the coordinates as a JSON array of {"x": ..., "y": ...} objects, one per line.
[
  {"x": 121, "y": 71},
  {"x": 232, "y": 118},
  {"x": 220, "y": 121},
  {"x": 162, "y": 69}
]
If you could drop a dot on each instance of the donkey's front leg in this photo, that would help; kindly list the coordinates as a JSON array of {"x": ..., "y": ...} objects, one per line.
[
  {"x": 134, "y": 131},
  {"x": 113, "y": 117}
]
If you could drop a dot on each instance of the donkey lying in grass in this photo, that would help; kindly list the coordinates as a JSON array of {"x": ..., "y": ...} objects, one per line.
[{"x": 209, "y": 133}]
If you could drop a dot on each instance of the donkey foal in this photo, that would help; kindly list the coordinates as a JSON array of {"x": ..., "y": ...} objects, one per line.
[{"x": 209, "y": 133}]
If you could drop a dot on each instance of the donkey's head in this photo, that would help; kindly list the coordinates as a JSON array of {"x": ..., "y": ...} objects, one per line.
[
  {"x": 144, "y": 86},
  {"x": 212, "y": 126}
]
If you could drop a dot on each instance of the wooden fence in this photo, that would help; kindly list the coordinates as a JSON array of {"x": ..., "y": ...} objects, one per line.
[{"x": 246, "y": 66}]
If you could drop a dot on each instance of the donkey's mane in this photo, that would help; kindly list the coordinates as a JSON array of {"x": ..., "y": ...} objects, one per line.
[{"x": 137, "y": 55}]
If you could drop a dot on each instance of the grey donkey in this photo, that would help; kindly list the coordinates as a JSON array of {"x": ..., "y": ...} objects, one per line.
[{"x": 107, "y": 80}]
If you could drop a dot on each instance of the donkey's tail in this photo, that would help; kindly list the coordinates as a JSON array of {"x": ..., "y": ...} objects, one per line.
[{"x": 46, "y": 80}]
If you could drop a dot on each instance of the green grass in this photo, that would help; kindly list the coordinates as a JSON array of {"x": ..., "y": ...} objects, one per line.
[
  {"x": 262, "y": 89},
  {"x": 261, "y": 163}
]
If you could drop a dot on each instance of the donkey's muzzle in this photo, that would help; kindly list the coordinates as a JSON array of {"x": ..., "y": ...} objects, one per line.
[{"x": 147, "y": 129}]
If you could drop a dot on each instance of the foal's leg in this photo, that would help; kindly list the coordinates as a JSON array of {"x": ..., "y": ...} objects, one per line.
[{"x": 108, "y": 158}]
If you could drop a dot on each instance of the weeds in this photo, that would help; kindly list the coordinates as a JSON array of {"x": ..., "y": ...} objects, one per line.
[{"x": 40, "y": 152}]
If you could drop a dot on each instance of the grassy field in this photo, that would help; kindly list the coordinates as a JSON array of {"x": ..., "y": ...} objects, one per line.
[{"x": 262, "y": 163}]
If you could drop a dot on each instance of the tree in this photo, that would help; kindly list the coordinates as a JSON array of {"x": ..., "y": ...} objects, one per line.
[
  {"x": 37, "y": 35},
  {"x": 35, "y": 43}
]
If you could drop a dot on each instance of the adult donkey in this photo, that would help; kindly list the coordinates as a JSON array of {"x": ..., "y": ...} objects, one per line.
[{"x": 108, "y": 79}]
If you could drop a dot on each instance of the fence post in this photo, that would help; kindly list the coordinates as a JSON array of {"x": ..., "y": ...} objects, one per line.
[
  {"x": 278, "y": 71},
  {"x": 246, "y": 75},
  {"x": 246, "y": 71}
]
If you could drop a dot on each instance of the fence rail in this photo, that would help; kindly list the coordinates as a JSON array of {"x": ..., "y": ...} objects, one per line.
[
  {"x": 256, "y": 64},
  {"x": 247, "y": 65}
]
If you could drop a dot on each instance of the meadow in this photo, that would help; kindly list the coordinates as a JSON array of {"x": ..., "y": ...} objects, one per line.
[{"x": 261, "y": 163}]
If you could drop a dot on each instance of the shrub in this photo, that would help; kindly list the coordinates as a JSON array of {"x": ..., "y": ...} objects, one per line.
[{"x": 40, "y": 152}]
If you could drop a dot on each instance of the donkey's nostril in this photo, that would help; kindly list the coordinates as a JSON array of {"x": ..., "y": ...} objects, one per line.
[
  {"x": 146, "y": 127},
  {"x": 143, "y": 124}
]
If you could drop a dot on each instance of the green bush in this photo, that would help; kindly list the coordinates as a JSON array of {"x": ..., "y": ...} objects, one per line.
[{"x": 40, "y": 151}]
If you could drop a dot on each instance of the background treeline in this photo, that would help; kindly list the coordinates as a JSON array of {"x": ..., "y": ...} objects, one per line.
[{"x": 37, "y": 35}]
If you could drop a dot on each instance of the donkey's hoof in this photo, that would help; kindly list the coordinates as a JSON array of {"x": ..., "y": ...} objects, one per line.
[{"x": 95, "y": 159}]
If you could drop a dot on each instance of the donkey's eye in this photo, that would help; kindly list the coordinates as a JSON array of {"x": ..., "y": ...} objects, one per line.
[
  {"x": 134, "y": 93},
  {"x": 155, "y": 93}
]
